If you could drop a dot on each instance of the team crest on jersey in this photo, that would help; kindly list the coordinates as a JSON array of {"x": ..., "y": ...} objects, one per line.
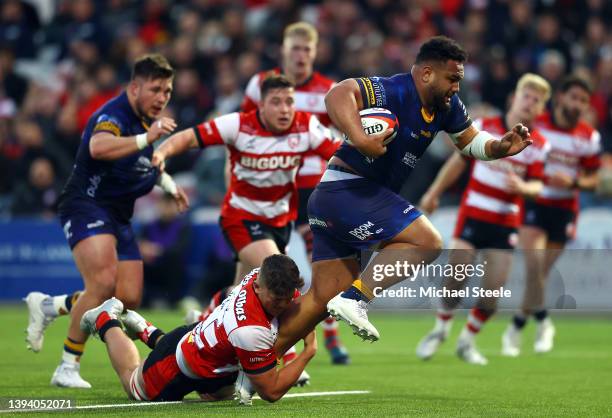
[{"x": 293, "y": 141}]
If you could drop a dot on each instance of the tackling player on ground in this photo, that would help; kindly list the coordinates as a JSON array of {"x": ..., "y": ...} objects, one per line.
[
  {"x": 549, "y": 221},
  {"x": 112, "y": 169},
  {"x": 489, "y": 214},
  {"x": 205, "y": 357},
  {"x": 359, "y": 190},
  {"x": 298, "y": 52}
]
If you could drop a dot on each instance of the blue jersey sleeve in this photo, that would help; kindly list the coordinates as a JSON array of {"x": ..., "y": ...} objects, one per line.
[
  {"x": 457, "y": 118},
  {"x": 379, "y": 92},
  {"x": 108, "y": 123}
]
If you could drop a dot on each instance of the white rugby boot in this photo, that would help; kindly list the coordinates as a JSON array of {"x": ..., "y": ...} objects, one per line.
[
  {"x": 134, "y": 324},
  {"x": 355, "y": 314},
  {"x": 303, "y": 380},
  {"x": 511, "y": 341},
  {"x": 467, "y": 351},
  {"x": 67, "y": 375},
  {"x": 37, "y": 322},
  {"x": 429, "y": 344},
  {"x": 114, "y": 308},
  {"x": 192, "y": 315},
  {"x": 243, "y": 389},
  {"x": 545, "y": 334}
]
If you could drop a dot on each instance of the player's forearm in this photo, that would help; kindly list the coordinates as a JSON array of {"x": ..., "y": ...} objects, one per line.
[
  {"x": 343, "y": 107},
  {"x": 448, "y": 175},
  {"x": 286, "y": 377},
  {"x": 178, "y": 143},
  {"x": 108, "y": 147}
]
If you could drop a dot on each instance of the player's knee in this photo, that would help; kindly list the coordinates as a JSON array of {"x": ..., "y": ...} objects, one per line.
[
  {"x": 131, "y": 301},
  {"x": 103, "y": 284}
]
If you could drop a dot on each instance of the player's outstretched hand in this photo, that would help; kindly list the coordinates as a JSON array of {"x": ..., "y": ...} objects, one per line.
[
  {"x": 159, "y": 160},
  {"x": 181, "y": 199},
  {"x": 429, "y": 203},
  {"x": 372, "y": 145},
  {"x": 513, "y": 142},
  {"x": 160, "y": 127}
]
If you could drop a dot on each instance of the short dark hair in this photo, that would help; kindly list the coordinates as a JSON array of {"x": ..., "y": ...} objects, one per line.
[
  {"x": 276, "y": 81},
  {"x": 152, "y": 66},
  {"x": 441, "y": 49},
  {"x": 575, "y": 81},
  {"x": 280, "y": 275}
]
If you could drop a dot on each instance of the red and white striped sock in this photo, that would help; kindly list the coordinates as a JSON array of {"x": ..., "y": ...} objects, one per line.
[
  {"x": 444, "y": 320},
  {"x": 475, "y": 322}
]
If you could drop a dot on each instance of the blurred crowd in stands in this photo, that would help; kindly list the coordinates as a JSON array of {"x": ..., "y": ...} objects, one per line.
[{"x": 61, "y": 59}]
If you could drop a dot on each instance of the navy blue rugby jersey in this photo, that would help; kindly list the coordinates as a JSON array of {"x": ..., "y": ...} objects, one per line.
[
  {"x": 416, "y": 129},
  {"x": 114, "y": 184}
]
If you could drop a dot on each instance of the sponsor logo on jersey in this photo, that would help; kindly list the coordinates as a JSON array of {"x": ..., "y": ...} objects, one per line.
[
  {"x": 95, "y": 224},
  {"x": 94, "y": 182},
  {"x": 410, "y": 159},
  {"x": 273, "y": 162},
  {"x": 67, "y": 227},
  {"x": 239, "y": 306},
  {"x": 362, "y": 232},
  {"x": 317, "y": 222}
]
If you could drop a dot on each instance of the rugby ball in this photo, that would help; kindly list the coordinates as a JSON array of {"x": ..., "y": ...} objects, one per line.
[{"x": 376, "y": 120}]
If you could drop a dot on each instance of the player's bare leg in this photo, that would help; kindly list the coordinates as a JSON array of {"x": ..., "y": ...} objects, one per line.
[
  {"x": 129, "y": 285},
  {"x": 104, "y": 321},
  {"x": 540, "y": 255},
  {"x": 96, "y": 259},
  {"x": 252, "y": 255},
  {"x": 496, "y": 270},
  {"x": 463, "y": 253},
  {"x": 418, "y": 243}
]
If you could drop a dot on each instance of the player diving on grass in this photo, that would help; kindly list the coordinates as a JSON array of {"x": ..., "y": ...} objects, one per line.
[
  {"x": 112, "y": 169},
  {"x": 206, "y": 357},
  {"x": 489, "y": 214},
  {"x": 359, "y": 190}
]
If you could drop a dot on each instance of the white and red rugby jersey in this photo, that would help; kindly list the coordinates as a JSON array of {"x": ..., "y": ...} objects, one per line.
[
  {"x": 572, "y": 150},
  {"x": 486, "y": 197},
  {"x": 237, "y": 332},
  {"x": 264, "y": 165},
  {"x": 309, "y": 97}
]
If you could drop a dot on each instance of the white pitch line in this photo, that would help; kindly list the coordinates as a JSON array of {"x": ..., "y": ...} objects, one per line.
[{"x": 141, "y": 404}]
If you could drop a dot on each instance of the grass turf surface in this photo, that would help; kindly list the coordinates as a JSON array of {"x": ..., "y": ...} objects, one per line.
[{"x": 573, "y": 380}]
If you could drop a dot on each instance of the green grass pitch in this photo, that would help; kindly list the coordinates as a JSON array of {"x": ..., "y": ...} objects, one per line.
[{"x": 574, "y": 380}]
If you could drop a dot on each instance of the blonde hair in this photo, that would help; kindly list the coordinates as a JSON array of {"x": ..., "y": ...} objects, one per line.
[
  {"x": 304, "y": 29},
  {"x": 535, "y": 82}
]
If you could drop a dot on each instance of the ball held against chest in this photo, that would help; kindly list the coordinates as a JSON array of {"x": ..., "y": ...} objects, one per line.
[{"x": 376, "y": 120}]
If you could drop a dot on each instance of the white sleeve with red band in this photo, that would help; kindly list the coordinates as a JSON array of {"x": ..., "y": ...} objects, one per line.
[
  {"x": 254, "y": 348},
  {"x": 590, "y": 160},
  {"x": 218, "y": 131},
  {"x": 321, "y": 139}
]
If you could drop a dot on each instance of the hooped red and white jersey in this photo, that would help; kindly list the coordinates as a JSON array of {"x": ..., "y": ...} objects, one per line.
[
  {"x": 486, "y": 197},
  {"x": 237, "y": 332},
  {"x": 309, "y": 97},
  {"x": 572, "y": 150},
  {"x": 263, "y": 164}
]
